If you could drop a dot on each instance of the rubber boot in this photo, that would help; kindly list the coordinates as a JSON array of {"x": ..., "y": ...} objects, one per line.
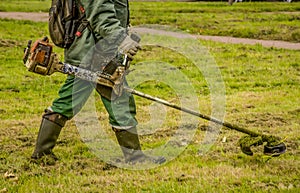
[
  {"x": 46, "y": 140},
  {"x": 131, "y": 148}
]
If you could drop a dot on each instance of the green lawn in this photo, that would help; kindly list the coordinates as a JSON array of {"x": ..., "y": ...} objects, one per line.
[{"x": 260, "y": 20}]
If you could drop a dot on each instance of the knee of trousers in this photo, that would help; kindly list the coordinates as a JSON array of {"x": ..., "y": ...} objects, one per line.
[{"x": 55, "y": 117}]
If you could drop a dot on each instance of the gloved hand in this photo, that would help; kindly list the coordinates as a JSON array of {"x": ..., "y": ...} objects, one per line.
[{"x": 129, "y": 47}]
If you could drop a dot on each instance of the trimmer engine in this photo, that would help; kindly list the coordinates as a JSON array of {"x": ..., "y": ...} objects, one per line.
[{"x": 40, "y": 59}]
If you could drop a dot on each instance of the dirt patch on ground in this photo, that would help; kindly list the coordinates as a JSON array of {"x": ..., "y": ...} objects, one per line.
[
  {"x": 43, "y": 17},
  {"x": 9, "y": 43},
  {"x": 226, "y": 39},
  {"x": 266, "y": 43}
]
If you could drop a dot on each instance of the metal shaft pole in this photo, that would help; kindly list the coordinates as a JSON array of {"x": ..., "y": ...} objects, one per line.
[{"x": 172, "y": 105}]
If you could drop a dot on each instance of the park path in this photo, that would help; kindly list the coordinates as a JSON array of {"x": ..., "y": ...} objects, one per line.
[{"x": 224, "y": 39}]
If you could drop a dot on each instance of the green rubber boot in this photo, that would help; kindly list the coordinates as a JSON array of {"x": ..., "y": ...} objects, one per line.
[
  {"x": 50, "y": 128},
  {"x": 131, "y": 148},
  {"x": 46, "y": 140}
]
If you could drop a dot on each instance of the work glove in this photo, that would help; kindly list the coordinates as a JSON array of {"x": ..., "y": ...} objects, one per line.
[{"x": 129, "y": 47}]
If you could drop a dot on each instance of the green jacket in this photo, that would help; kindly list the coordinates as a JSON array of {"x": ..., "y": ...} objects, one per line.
[{"x": 109, "y": 20}]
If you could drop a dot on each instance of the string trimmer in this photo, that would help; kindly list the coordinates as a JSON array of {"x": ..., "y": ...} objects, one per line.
[{"x": 41, "y": 60}]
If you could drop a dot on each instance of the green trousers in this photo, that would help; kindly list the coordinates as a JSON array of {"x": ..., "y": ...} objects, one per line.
[{"x": 74, "y": 94}]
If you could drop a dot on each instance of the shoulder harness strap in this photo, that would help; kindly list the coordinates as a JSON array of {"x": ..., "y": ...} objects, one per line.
[{"x": 84, "y": 23}]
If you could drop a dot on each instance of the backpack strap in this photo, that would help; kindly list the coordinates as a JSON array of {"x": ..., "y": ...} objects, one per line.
[{"x": 84, "y": 23}]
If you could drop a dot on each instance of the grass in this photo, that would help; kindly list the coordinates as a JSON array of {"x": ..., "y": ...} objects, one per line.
[
  {"x": 25, "y": 6},
  {"x": 263, "y": 20},
  {"x": 249, "y": 20},
  {"x": 262, "y": 94}
]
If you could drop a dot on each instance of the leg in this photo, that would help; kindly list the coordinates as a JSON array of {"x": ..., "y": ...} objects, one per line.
[
  {"x": 72, "y": 96},
  {"x": 122, "y": 113},
  {"x": 128, "y": 140},
  {"x": 50, "y": 128}
]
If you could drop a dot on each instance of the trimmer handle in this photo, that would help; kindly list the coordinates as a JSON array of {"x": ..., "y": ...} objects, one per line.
[{"x": 126, "y": 60}]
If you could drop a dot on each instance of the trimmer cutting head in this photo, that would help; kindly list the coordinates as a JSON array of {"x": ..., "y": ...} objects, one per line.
[
  {"x": 275, "y": 150},
  {"x": 273, "y": 147}
]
